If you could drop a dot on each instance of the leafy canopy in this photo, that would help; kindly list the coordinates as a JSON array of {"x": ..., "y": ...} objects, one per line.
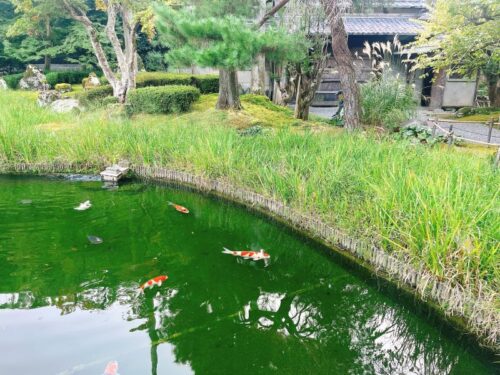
[
  {"x": 462, "y": 36},
  {"x": 226, "y": 42}
]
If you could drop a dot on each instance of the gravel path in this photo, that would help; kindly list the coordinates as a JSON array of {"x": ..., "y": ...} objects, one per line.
[{"x": 474, "y": 131}]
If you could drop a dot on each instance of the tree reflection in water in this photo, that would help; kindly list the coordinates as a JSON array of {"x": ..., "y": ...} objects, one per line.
[{"x": 217, "y": 314}]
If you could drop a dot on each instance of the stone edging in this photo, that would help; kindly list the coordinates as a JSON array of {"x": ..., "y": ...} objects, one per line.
[{"x": 476, "y": 312}]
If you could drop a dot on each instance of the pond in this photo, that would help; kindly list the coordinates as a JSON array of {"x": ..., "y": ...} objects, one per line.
[{"x": 69, "y": 306}]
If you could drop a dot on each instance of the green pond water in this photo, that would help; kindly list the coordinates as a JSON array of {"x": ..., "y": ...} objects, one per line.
[{"x": 69, "y": 307}]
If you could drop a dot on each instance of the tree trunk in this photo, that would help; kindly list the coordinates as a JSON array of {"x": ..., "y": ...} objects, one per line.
[
  {"x": 126, "y": 56},
  {"x": 493, "y": 90},
  {"x": 48, "y": 33},
  {"x": 345, "y": 64},
  {"x": 229, "y": 93},
  {"x": 437, "y": 90},
  {"x": 46, "y": 63},
  {"x": 258, "y": 85},
  {"x": 302, "y": 109}
]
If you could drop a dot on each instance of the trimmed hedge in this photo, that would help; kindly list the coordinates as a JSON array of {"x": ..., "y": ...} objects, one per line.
[
  {"x": 96, "y": 94},
  {"x": 67, "y": 76},
  {"x": 165, "y": 99},
  {"x": 12, "y": 80},
  {"x": 206, "y": 83}
]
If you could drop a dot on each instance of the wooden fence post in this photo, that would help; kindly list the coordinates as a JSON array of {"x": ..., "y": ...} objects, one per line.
[
  {"x": 497, "y": 158},
  {"x": 490, "y": 130},
  {"x": 450, "y": 135}
]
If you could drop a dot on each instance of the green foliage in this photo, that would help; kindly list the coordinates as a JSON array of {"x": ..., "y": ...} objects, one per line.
[
  {"x": 469, "y": 111},
  {"x": 265, "y": 102},
  {"x": 63, "y": 87},
  {"x": 109, "y": 100},
  {"x": 226, "y": 42},
  {"x": 206, "y": 83},
  {"x": 69, "y": 76},
  {"x": 463, "y": 36},
  {"x": 164, "y": 99},
  {"x": 12, "y": 80},
  {"x": 419, "y": 134},
  {"x": 387, "y": 101},
  {"x": 95, "y": 95}
]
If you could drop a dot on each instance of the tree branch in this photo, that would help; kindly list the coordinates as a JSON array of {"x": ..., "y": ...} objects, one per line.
[
  {"x": 113, "y": 38},
  {"x": 271, "y": 13},
  {"x": 80, "y": 16}
]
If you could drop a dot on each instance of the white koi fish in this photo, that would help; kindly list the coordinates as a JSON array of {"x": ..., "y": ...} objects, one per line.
[{"x": 84, "y": 206}]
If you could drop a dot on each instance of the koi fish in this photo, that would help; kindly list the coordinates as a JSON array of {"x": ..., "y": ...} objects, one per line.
[
  {"x": 245, "y": 254},
  {"x": 179, "y": 208},
  {"x": 158, "y": 280},
  {"x": 111, "y": 368},
  {"x": 94, "y": 240},
  {"x": 84, "y": 206}
]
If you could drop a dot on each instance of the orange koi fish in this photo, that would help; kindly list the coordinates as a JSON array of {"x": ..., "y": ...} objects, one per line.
[
  {"x": 246, "y": 254},
  {"x": 179, "y": 208},
  {"x": 111, "y": 368},
  {"x": 158, "y": 280}
]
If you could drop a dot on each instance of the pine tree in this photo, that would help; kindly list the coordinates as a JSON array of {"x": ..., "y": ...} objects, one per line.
[{"x": 227, "y": 43}]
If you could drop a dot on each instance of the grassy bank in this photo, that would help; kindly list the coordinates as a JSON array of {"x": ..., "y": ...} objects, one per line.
[{"x": 437, "y": 206}]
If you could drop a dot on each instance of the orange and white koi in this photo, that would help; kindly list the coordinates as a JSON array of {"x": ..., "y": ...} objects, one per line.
[
  {"x": 247, "y": 254},
  {"x": 111, "y": 368},
  {"x": 179, "y": 208},
  {"x": 156, "y": 281}
]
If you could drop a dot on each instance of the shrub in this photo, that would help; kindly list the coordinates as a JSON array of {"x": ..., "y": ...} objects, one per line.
[
  {"x": 12, "y": 80},
  {"x": 206, "y": 83},
  {"x": 155, "y": 61},
  {"x": 387, "y": 101},
  {"x": 63, "y": 87},
  {"x": 68, "y": 76},
  {"x": 164, "y": 99},
  {"x": 109, "y": 100},
  {"x": 91, "y": 96}
]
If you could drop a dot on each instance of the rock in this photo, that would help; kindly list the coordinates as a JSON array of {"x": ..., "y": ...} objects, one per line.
[
  {"x": 91, "y": 81},
  {"x": 63, "y": 87},
  {"x": 33, "y": 79},
  {"x": 3, "y": 84},
  {"x": 64, "y": 105},
  {"x": 47, "y": 97}
]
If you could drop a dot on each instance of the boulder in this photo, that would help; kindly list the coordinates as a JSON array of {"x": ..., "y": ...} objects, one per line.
[
  {"x": 64, "y": 105},
  {"x": 3, "y": 84},
  {"x": 33, "y": 79},
  {"x": 63, "y": 87},
  {"x": 91, "y": 81},
  {"x": 47, "y": 97}
]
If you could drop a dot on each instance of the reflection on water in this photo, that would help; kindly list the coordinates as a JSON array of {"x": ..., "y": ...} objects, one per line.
[{"x": 71, "y": 307}]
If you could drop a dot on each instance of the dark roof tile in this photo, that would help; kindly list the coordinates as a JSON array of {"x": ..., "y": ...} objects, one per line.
[{"x": 380, "y": 25}]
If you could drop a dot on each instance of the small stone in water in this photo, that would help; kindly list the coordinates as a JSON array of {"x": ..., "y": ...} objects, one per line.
[
  {"x": 94, "y": 240},
  {"x": 25, "y": 201}
]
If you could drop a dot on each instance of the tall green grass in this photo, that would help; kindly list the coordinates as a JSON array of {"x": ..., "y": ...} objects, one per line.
[
  {"x": 439, "y": 207},
  {"x": 387, "y": 101}
]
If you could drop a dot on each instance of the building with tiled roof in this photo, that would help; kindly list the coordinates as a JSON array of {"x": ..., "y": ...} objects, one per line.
[{"x": 381, "y": 24}]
